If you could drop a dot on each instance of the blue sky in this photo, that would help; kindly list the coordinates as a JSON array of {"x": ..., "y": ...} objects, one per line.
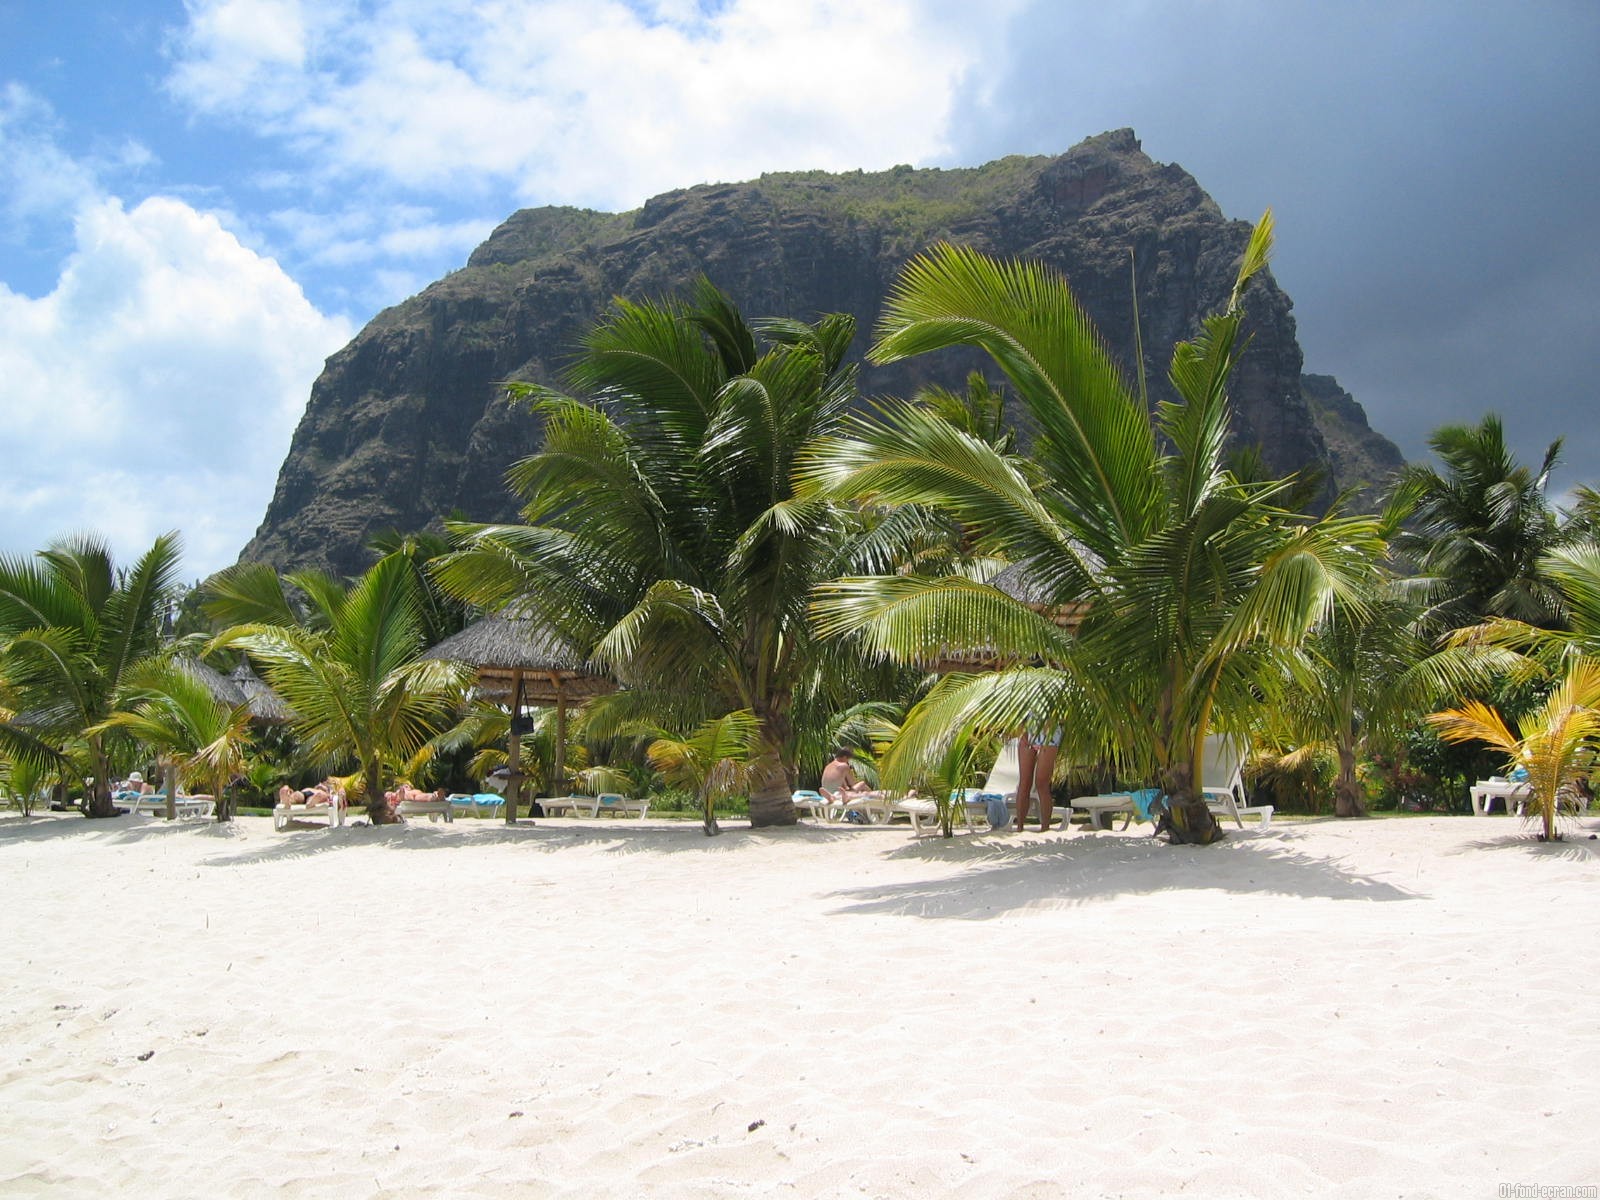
[{"x": 200, "y": 201}]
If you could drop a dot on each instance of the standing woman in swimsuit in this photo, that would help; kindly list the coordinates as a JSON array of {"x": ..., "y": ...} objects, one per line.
[{"x": 1037, "y": 748}]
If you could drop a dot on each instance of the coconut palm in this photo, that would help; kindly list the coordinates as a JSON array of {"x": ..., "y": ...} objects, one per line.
[
  {"x": 1193, "y": 582},
  {"x": 171, "y": 711},
  {"x": 1480, "y": 526},
  {"x": 1556, "y": 743},
  {"x": 353, "y": 674},
  {"x": 714, "y": 760},
  {"x": 442, "y": 614},
  {"x": 24, "y": 779},
  {"x": 1363, "y": 678},
  {"x": 72, "y": 628},
  {"x": 663, "y": 533}
]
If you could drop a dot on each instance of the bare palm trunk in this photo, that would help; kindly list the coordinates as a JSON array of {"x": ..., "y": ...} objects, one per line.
[
  {"x": 1188, "y": 819},
  {"x": 771, "y": 797},
  {"x": 1347, "y": 798},
  {"x": 771, "y": 780},
  {"x": 97, "y": 799},
  {"x": 378, "y": 810}
]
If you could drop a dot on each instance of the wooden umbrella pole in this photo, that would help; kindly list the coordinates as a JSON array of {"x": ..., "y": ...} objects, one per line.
[
  {"x": 514, "y": 750},
  {"x": 556, "y": 788}
]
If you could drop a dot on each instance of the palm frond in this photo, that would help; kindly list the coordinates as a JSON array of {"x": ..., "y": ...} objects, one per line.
[{"x": 1095, "y": 440}]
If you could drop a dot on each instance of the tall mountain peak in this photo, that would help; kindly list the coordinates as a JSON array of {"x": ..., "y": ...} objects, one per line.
[{"x": 409, "y": 421}]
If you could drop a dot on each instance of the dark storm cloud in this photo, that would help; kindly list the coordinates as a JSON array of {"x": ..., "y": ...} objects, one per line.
[{"x": 1432, "y": 167}]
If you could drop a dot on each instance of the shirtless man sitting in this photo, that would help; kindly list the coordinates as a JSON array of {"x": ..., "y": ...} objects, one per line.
[{"x": 839, "y": 776}]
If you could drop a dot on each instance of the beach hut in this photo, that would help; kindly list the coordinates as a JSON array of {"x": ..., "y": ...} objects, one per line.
[
  {"x": 240, "y": 686},
  {"x": 521, "y": 661},
  {"x": 1018, "y": 582}
]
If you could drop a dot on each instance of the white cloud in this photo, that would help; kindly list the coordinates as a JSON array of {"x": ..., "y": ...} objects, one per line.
[
  {"x": 39, "y": 180},
  {"x": 585, "y": 101},
  {"x": 156, "y": 386}
]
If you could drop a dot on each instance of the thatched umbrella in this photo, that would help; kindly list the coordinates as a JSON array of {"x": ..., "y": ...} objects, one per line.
[
  {"x": 1020, "y": 583},
  {"x": 266, "y": 706},
  {"x": 520, "y": 660},
  {"x": 240, "y": 686}
]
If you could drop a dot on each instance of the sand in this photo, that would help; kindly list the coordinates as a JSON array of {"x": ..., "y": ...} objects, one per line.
[{"x": 621, "y": 1008}]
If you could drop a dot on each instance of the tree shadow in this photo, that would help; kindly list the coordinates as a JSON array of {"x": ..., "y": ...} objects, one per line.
[
  {"x": 1005, "y": 878},
  {"x": 1575, "y": 845},
  {"x": 112, "y": 830},
  {"x": 542, "y": 835}
]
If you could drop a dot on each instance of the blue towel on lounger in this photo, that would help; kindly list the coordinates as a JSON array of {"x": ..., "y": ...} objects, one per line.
[{"x": 1145, "y": 801}]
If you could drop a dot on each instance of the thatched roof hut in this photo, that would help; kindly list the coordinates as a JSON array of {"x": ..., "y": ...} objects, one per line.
[
  {"x": 241, "y": 686},
  {"x": 520, "y": 660},
  {"x": 506, "y": 648},
  {"x": 1020, "y": 582}
]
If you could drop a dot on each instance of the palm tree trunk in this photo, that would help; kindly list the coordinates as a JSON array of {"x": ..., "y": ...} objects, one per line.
[
  {"x": 1188, "y": 819},
  {"x": 1347, "y": 799},
  {"x": 771, "y": 797},
  {"x": 771, "y": 779},
  {"x": 97, "y": 800},
  {"x": 378, "y": 811}
]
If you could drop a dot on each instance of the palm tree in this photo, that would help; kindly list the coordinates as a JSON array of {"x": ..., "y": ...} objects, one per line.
[
  {"x": 72, "y": 628},
  {"x": 1480, "y": 527},
  {"x": 664, "y": 535},
  {"x": 714, "y": 760},
  {"x": 174, "y": 713},
  {"x": 353, "y": 672},
  {"x": 1556, "y": 743},
  {"x": 442, "y": 614},
  {"x": 1194, "y": 582},
  {"x": 1363, "y": 679}
]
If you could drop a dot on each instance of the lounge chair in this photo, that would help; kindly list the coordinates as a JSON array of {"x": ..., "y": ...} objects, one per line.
[
  {"x": 812, "y": 803},
  {"x": 1222, "y": 781},
  {"x": 433, "y": 807},
  {"x": 614, "y": 803},
  {"x": 155, "y": 804},
  {"x": 481, "y": 804},
  {"x": 332, "y": 810},
  {"x": 573, "y": 806},
  {"x": 593, "y": 806},
  {"x": 973, "y": 803},
  {"x": 877, "y": 808},
  {"x": 1509, "y": 792},
  {"x": 1107, "y": 804},
  {"x": 1005, "y": 776}
]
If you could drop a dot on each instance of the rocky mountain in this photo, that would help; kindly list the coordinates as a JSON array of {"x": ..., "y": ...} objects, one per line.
[{"x": 409, "y": 421}]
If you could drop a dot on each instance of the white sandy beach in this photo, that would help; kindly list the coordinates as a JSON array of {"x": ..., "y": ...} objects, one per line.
[{"x": 581, "y": 1008}]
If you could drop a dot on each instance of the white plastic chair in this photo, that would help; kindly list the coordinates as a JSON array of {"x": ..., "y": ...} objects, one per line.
[{"x": 1222, "y": 781}]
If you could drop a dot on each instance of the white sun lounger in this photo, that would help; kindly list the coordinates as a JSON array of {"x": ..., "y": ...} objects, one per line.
[
  {"x": 1098, "y": 808},
  {"x": 617, "y": 804},
  {"x": 592, "y": 806},
  {"x": 482, "y": 804},
  {"x": 155, "y": 805},
  {"x": 1222, "y": 781},
  {"x": 812, "y": 803},
  {"x": 331, "y": 811},
  {"x": 432, "y": 809}
]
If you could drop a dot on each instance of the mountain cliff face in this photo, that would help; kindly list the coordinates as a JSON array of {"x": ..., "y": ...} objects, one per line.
[{"x": 409, "y": 423}]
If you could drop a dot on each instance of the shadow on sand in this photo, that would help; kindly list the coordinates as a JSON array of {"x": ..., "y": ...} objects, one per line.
[
  {"x": 998, "y": 873},
  {"x": 1079, "y": 870}
]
